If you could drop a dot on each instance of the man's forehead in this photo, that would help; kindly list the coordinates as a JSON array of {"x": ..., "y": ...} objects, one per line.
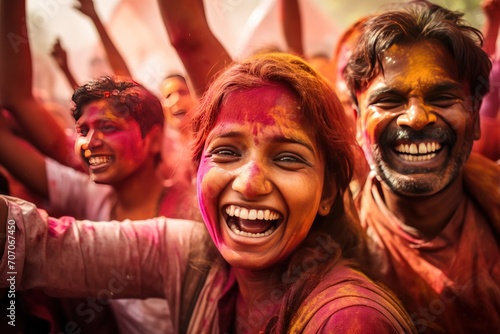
[{"x": 422, "y": 64}]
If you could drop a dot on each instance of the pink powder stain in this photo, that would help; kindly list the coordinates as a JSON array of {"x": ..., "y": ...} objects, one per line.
[
  {"x": 253, "y": 180},
  {"x": 58, "y": 227},
  {"x": 260, "y": 108},
  {"x": 253, "y": 105}
]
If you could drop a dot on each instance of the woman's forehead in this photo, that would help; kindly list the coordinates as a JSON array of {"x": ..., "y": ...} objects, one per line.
[{"x": 264, "y": 105}]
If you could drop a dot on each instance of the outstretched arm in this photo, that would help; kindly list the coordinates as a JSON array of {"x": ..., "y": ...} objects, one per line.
[
  {"x": 289, "y": 11},
  {"x": 41, "y": 128},
  {"x": 491, "y": 10},
  {"x": 115, "y": 59},
  {"x": 201, "y": 53},
  {"x": 61, "y": 58}
]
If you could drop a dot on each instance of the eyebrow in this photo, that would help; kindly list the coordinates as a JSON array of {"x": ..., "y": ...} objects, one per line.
[
  {"x": 439, "y": 87},
  {"x": 447, "y": 85},
  {"x": 277, "y": 138},
  {"x": 294, "y": 140}
]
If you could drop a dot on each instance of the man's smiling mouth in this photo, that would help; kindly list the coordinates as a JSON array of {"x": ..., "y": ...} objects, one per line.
[{"x": 418, "y": 152}]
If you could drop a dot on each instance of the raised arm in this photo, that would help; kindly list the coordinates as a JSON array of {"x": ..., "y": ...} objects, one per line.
[
  {"x": 21, "y": 159},
  {"x": 491, "y": 10},
  {"x": 41, "y": 128},
  {"x": 291, "y": 22},
  {"x": 201, "y": 53},
  {"x": 60, "y": 56},
  {"x": 115, "y": 59}
]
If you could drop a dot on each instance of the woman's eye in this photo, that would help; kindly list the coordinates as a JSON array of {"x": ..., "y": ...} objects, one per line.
[
  {"x": 223, "y": 154},
  {"x": 290, "y": 160}
]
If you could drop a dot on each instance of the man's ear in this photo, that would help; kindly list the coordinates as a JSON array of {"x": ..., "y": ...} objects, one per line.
[
  {"x": 477, "y": 125},
  {"x": 359, "y": 131},
  {"x": 155, "y": 137}
]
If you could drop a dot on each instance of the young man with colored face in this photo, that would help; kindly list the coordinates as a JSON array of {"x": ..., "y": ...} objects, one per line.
[
  {"x": 119, "y": 142},
  {"x": 418, "y": 76}
]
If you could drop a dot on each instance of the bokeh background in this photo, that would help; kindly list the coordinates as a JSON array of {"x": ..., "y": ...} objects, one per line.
[{"x": 137, "y": 30}]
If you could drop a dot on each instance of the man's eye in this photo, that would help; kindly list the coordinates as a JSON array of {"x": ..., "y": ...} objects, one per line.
[
  {"x": 106, "y": 128},
  {"x": 82, "y": 131},
  {"x": 388, "y": 102},
  {"x": 443, "y": 100}
]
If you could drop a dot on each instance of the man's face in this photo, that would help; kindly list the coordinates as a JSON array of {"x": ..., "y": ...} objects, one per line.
[
  {"x": 110, "y": 146},
  {"x": 416, "y": 121},
  {"x": 177, "y": 102}
]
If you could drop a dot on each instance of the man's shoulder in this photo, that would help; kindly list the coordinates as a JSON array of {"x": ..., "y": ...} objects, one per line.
[{"x": 482, "y": 184}]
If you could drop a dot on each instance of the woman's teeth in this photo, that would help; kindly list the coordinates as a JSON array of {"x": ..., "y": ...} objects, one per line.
[
  {"x": 252, "y": 214},
  {"x": 251, "y": 223},
  {"x": 235, "y": 229}
]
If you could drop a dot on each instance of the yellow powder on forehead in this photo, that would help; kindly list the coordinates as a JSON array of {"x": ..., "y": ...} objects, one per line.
[{"x": 422, "y": 62}]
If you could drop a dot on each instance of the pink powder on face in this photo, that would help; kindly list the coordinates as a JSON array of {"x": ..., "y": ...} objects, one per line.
[
  {"x": 256, "y": 105},
  {"x": 260, "y": 108}
]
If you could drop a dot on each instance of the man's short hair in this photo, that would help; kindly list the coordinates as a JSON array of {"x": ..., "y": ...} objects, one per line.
[{"x": 420, "y": 21}]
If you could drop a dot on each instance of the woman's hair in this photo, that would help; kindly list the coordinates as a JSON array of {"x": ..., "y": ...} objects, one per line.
[
  {"x": 420, "y": 21},
  {"x": 324, "y": 118},
  {"x": 127, "y": 97}
]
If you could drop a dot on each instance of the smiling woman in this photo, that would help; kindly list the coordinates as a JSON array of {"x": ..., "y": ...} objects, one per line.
[{"x": 274, "y": 164}]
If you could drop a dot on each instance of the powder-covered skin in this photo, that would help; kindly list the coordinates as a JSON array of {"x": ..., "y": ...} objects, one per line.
[
  {"x": 418, "y": 99},
  {"x": 257, "y": 157},
  {"x": 103, "y": 134}
]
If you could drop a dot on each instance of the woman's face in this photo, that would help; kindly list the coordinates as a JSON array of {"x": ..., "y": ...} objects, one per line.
[{"x": 260, "y": 179}]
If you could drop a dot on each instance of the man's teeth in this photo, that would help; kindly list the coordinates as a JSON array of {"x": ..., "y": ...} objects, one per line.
[
  {"x": 422, "y": 148},
  {"x": 252, "y": 214},
  {"x": 420, "y": 152},
  {"x": 97, "y": 160}
]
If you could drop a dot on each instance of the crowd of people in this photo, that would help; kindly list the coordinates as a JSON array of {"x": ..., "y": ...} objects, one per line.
[{"x": 279, "y": 193}]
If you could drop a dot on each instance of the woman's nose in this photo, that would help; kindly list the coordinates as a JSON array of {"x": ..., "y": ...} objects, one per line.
[{"x": 252, "y": 181}]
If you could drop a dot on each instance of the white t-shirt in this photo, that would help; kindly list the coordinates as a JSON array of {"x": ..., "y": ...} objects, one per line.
[{"x": 72, "y": 193}]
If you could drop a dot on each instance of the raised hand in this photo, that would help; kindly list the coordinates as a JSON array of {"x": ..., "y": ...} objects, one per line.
[
  {"x": 59, "y": 54},
  {"x": 86, "y": 7}
]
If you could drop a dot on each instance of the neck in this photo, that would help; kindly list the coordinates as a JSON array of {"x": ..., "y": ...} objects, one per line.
[
  {"x": 426, "y": 214},
  {"x": 259, "y": 298},
  {"x": 138, "y": 197}
]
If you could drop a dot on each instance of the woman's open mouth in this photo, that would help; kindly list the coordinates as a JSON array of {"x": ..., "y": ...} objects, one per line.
[{"x": 252, "y": 223}]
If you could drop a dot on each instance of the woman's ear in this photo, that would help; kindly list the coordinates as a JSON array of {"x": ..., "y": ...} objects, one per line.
[{"x": 327, "y": 200}]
